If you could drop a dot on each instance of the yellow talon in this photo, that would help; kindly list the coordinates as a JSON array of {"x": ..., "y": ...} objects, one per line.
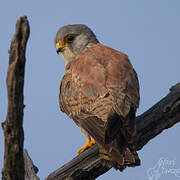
[{"x": 88, "y": 144}]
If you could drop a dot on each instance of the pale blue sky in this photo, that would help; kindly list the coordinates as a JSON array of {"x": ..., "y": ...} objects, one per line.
[{"x": 148, "y": 31}]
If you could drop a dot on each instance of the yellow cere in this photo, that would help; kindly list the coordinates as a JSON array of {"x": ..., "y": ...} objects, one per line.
[{"x": 60, "y": 44}]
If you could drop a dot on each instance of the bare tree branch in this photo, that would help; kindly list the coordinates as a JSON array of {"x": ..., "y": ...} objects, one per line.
[
  {"x": 161, "y": 116},
  {"x": 89, "y": 165},
  {"x": 13, "y": 126},
  {"x": 30, "y": 169}
]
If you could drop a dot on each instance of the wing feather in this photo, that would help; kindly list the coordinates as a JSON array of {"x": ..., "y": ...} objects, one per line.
[{"x": 99, "y": 83}]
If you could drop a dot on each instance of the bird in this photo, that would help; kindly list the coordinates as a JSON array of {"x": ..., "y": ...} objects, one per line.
[{"x": 100, "y": 92}]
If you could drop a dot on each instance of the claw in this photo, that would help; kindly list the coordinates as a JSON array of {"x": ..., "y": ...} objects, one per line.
[{"x": 88, "y": 144}]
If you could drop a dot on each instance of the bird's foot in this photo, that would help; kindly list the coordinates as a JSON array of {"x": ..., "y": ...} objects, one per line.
[{"x": 88, "y": 144}]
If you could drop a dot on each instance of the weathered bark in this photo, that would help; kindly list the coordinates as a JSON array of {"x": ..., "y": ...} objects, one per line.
[
  {"x": 30, "y": 169},
  {"x": 13, "y": 126},
  {"x": 89, "y": 165},
  {"x": 161, "y": 116}
]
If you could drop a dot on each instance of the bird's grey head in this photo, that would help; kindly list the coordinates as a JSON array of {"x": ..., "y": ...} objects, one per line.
[{"x": 71, "y": 40}]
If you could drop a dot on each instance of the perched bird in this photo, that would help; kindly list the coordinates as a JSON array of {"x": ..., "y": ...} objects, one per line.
[{"x": 100, "y": 92}]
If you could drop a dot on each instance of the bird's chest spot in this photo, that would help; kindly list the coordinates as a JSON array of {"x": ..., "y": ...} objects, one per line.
[
  {"x": 89, "y": 91},
  {"x": 69, "y": 90}
]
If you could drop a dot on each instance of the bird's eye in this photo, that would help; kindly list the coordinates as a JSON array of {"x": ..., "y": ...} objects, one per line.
[{"x": 70, "y": 38}]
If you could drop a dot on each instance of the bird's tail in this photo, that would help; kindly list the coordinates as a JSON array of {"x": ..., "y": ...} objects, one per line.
[
  {"x": 118, "y": 147},
  {"x": 120, "y": 153},
  {"x": 121, "y": 147},
  {"x": 123, "y": 153}
]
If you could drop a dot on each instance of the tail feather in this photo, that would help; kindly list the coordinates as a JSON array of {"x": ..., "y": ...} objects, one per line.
[
  {"x": 119, "y": 143},
  {"x": 122, "y": 153},
  {"x": 116, "y": 144}
]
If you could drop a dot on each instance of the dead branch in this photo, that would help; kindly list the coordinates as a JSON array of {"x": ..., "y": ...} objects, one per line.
[
  {"x": 30, "y": 169},
  {"x": 88, "y": 165},
  {"x": 13, "y": 126}
]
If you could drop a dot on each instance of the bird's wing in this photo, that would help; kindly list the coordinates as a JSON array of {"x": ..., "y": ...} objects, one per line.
[{"x": 99, "y": 86}]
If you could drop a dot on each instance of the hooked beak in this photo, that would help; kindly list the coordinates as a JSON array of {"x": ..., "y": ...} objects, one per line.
[{"x": 59, "y": 47}]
